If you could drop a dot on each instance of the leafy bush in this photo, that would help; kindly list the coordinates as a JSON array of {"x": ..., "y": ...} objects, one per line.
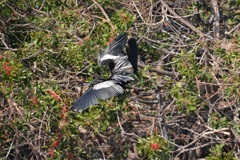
[{"x": 187, "y": 87}]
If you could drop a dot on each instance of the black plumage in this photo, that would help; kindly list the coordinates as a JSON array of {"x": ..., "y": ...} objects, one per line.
[
  {"x": 131, "y": 50},
  {"x": 121, "y": 66},
  {"x": 112, "y": 52}
]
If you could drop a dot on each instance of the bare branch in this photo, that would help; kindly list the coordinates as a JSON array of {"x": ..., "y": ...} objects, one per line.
[
  {"x": 216, "y": 18},
  {"x": 183, "y": 20},
  {"x": 104, "y": 13}
]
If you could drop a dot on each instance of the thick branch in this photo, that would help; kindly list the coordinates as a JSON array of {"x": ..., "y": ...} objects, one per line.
[
  {"x": 183, "y": 20},
  {"x": 216, "y": 18}
]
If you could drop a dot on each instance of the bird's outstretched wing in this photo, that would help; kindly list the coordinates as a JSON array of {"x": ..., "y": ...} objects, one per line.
[
  {"x": 132, "y": 52},
  {"x": 114, "y": 50},
  {"x": 116, "y": 46},
  {"x": 102, "y": 91},
  {"x": 122, "y": 68}
]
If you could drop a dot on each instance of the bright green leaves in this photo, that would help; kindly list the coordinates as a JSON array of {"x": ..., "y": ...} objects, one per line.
[
  {"x": 123, "y": 19},
  {"x": 184, "y": 91},
  {"x": 220, "y": 152},
  {"x": 154, "y": 147}
]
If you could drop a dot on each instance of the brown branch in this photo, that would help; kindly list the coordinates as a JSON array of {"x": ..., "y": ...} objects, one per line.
[
  {"x": 104, "y": 13},
  {"x": 236, "y": 27},
  {"x": 183, "y": 20},
  {"x": 216, "y": 18}
]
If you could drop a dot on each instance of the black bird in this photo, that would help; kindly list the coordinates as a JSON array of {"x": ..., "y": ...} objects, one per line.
[
  {"x": 121, "y": 66},
  {"x": 112, "y": 52}
]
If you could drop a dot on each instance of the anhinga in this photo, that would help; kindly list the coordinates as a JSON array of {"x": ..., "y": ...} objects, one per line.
[{"x": 121, "y": 66}]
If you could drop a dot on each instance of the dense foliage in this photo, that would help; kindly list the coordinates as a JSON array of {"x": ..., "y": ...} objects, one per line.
[{"x": 184, "y": 103}]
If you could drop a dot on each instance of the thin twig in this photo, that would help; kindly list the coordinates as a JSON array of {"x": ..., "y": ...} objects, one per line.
[
  {"x": 10, "y": 147},
  {"x": 183, "y": 20},
  {"x": 104, "y": 13},
  {"x": 233, "y": 29},
  {"x": 101, "y": 150}
]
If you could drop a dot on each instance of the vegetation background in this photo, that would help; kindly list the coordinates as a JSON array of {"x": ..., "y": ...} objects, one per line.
[{"x": 184, "y": 103}]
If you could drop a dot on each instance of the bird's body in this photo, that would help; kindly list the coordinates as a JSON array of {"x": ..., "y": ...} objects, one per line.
[{"x": 121, "y": 68}]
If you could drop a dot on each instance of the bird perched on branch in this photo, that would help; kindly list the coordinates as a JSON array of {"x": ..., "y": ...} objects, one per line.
[{"x": 122, "y": 68}]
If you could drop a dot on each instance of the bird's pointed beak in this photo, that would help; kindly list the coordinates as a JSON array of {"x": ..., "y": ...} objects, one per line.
[{"x": 100, "y": 55}]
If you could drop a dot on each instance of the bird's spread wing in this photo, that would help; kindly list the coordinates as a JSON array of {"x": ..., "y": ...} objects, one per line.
[
  {"x": 102, "y": 91},
  {"x": 116, "y": 46},
  {"x": 132, "y": 52},
  {"x": 123, "y": 78},
  {"x": 122, "y": 68},
  {"x": 113, "y": 51}
]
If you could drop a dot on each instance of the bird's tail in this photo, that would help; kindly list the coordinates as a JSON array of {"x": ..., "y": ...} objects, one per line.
[{"x": 132, "y": 52}]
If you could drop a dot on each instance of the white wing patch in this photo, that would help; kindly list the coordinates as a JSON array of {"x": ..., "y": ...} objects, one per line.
[
  {"x": 108, "y": 85},
  {"x": 109, "y": 57},
  {"x": 102, "y": 85},
  {"x": 119, "y": 88}
]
